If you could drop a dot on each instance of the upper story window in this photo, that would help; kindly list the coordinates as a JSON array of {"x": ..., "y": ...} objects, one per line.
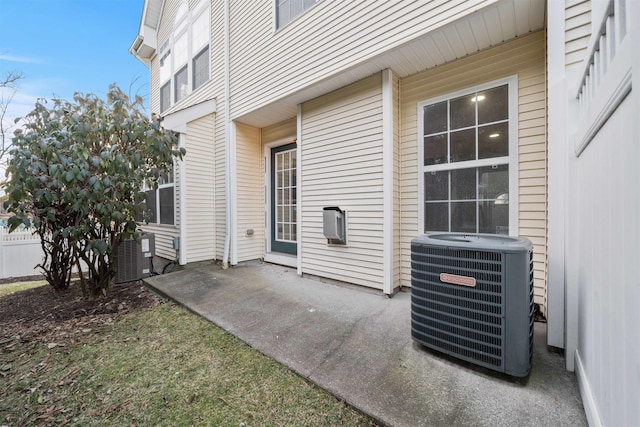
[
  {"x": 468, "y": 170},
  {"x": 287, "y": 10},
  {"x": 184, "y": 56}
]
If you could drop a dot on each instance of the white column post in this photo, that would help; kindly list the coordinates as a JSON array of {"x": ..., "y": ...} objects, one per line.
[{"x": 387, "y": 181}]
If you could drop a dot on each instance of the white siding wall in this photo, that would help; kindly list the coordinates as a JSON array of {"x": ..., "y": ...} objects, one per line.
[
  {"x": 526, "y": 58},
  {"x": 164, "y": 235},
  {"x": 278, "y": 131},
  {"x": 322, "y": 41},
  {"x": 216, "y": 54},
  {"x": 342, "y": 166},
  {"x": 201, "y": 189},
  {"x": 215, "y": 164},
  {"x": 249, "y": 196}
]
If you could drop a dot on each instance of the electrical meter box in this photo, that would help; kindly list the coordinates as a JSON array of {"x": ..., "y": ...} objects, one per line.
[{"x": 334, "y": 225}]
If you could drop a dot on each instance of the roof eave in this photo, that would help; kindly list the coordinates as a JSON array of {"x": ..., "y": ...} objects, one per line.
[{"x": 145, "y": 44}]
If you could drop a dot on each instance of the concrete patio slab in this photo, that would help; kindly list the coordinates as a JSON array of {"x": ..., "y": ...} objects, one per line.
[{"x": 356, "y": 344}]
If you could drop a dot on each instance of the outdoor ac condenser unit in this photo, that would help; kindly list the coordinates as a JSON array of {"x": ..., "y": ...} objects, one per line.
[
  {"x": 134, "y": 258},
  {"x": 472, "y": 298}
]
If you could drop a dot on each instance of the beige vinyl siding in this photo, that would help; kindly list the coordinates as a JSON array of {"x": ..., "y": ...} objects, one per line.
[
  {"x": 249, "y": 193},
  {"x": 216, "y": 54},
  {"x": 219, "y": 169},
  {"x": 164, "y": 235},
  {"x": 532, "y": 146},
  {"x": 325, "y": 40},
  {"x": 154, "y": 84},
  {"x": 341, "y": 155},
  {"x": 577, "y": 31},
  {"x": 200, "y": 189},
  {"x": 279, "y": 131},
  {"x": 213, "y": 89},
  {"x": 524, "y": 57}
]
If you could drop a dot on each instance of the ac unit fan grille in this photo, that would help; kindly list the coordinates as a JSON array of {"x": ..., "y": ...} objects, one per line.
[{"x": 465, "y": 322}]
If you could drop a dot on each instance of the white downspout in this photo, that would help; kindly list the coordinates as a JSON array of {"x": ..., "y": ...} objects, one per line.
[{"x": 227, "y": 137}]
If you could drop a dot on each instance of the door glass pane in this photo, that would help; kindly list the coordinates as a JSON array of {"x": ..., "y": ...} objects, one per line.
[
  {"x": 463, "y": 217},
  {"x": 435, "y": 149},
  {"x": 493, "y": 140},
  {"x": 436, "y": 216},
  {"x": 463, "y": 184},
  {"x": 435, "y": 118},
  {"x": 463, "y": 112},
  {"x": 285, "y": 215},
  {"x": 463, "y": 145},
  {"x": 436, "y": 185},
  {"x": 285, "y": 160},
  {"x": 494, "y": 106}
]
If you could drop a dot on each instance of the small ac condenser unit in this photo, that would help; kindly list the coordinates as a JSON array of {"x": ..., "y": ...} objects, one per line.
[
  {"x": 472, "y": 298},
  {"x": 134, "y": 258}
]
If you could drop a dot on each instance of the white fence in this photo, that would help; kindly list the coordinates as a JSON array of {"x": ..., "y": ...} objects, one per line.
[{"x": 20, "y": 252}]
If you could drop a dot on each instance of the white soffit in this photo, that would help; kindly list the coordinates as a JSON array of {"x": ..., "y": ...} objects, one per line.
[
  {"x": 494, "y": 25},
  {"x": 144, "y": 45}
]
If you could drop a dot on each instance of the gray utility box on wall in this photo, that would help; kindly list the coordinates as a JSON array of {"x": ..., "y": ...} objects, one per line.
[
  {"x": 134, "y": 258},
  {"x": 472, "y": 298},
  {"x": 334, "y": 225}
]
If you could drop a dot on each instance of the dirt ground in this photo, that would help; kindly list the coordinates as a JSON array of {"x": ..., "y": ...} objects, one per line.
[{"x": 35, "y": 313}]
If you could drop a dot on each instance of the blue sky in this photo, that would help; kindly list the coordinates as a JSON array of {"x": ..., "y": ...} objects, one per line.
[{"x": 67, "y": 46}]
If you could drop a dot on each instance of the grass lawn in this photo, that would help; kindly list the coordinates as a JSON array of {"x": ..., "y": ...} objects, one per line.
[
  {"x": 9, "y": 288},
  {"x": 159, "y": 366}
]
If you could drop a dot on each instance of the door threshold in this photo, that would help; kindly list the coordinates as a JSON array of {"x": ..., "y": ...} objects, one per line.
[{"x": 282, "y": 259}]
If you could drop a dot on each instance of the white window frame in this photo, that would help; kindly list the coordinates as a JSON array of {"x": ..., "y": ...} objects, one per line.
[
  {"x": 183, "y": 26},
  {"x": 172, "y": 183},
  {"x": 276, "y": 26},
  {"x": 511, "y": 160}
]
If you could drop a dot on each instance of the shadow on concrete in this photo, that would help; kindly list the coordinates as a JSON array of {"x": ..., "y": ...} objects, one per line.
[{"x": 357, "y": 345}]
